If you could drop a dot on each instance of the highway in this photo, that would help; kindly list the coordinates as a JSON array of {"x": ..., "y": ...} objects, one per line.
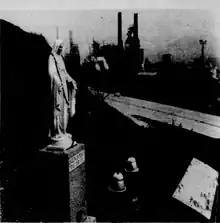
[
  {"x": 164, "y": 154},
  {"x": 136, "y": 110}
]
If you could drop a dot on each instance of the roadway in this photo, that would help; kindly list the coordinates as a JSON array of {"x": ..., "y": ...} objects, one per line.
[
  {"x": 136, "y": 109},
  {"x": 146, "y": 130}
]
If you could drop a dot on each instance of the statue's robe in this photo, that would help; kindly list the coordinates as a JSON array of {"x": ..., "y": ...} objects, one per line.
[{"x": 62, "y": 95}]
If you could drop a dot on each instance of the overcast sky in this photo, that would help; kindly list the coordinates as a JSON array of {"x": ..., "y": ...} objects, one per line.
[
  {"x": 107, "y": 4},
  {"x": 157, "y": 28}
]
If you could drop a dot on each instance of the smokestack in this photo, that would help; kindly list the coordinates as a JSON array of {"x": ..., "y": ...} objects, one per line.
[
  {"x": 57, "y": 32},
  {"x": 135, "y": 24},
  {"x": 70, "y": 40},
  {"x": 120, "y": 43},
  {"x": 71, "y": 35}
]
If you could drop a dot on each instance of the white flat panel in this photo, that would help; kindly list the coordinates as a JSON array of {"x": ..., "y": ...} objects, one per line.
[{"x": 198, "y": 187}]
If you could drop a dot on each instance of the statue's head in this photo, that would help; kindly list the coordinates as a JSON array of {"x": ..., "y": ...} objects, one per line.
[{"x": 58, "y": 46}]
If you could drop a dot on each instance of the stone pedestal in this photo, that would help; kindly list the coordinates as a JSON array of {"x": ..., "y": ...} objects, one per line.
[{"x": 62, "y": 174}]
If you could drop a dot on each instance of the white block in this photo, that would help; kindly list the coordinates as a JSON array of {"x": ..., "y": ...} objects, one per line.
[{"x": 198, "y": 187}]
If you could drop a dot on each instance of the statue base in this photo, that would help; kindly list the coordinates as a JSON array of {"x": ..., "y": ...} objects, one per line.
[
  {"x": 61, "y": 143},
  {"x": 62, "y": 173}
]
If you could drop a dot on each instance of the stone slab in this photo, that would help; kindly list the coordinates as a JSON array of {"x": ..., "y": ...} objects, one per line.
[{"x": 64, "y": 173}]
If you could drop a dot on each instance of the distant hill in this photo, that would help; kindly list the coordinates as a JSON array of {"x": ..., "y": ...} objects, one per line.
[
  {"x": 183, "y": 48},
  {"x": 24, "y": 86}
]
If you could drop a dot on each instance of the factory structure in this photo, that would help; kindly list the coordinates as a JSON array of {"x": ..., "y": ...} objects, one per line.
[{"x": 134, "y": 54}]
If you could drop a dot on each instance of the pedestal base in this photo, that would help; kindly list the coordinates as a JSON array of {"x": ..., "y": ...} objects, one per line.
[
  {"x": 63, "y": 176},
  {"x": 62, "y": 143}
]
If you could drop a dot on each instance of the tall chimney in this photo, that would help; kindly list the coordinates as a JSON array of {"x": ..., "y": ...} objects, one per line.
[
  {"x": 135, "y": 24},
  {"x": 120, "y": 43},
  {"x": 57, "y": 32},
  {"x": 70, "y": 37},
  {"x": 70, "y": 40}
]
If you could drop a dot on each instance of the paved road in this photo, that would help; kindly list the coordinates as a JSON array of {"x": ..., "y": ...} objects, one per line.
[
  {"x": 163, "y": 154},
  {"x": 198, "y": 122}
]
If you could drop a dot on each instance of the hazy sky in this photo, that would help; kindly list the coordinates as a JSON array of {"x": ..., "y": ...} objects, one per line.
[
  {"x": 107, "y": 4},
  {"x": 160, "y": 26}
]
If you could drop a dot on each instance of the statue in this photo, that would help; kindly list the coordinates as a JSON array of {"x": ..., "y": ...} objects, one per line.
[{"x": 63, "y": 91}]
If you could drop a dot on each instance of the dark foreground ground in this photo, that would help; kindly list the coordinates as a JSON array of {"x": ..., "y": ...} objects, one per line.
[{"x": 162, "y": 153}]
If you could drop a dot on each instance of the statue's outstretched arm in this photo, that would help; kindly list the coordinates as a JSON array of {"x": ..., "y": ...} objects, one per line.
[
  {"x": 52, "y": 70},
  {"x": 69, "y": 78},
  {"x": 72, "y": 81}
]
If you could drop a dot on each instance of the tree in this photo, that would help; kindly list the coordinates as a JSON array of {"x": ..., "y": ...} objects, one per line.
[{"x": 72, "y": 61}]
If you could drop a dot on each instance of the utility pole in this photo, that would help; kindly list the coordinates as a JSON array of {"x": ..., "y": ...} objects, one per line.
[{"x": 203, "y": 43}]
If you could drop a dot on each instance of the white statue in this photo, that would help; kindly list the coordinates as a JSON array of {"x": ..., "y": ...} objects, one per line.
[{"x": 63, "y": 91}]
